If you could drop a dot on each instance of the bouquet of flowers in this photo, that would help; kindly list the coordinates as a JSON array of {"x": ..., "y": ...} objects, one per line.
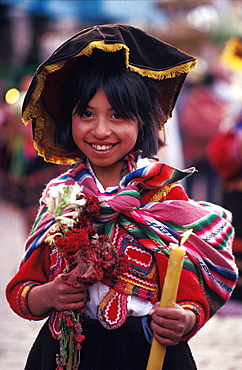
[{"x": 89, "y": 257}]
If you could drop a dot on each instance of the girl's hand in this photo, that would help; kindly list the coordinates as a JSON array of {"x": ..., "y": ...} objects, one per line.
[
  {"x": 170, "y": 324},
  {"x": 55, "y": 294}
]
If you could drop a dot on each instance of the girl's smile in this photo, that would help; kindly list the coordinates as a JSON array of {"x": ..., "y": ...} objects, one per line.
[{"x": 104, "y": 136}]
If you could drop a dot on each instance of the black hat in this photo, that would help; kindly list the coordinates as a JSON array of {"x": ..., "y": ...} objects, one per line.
[{"x": 143, "y": 54}]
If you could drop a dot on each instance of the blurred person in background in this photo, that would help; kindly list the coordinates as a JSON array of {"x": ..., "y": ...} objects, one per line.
[
  {"x": 200, "y": 115},
  {"x": 224, "y": 150},
  {"x": 23, "y": 171}
]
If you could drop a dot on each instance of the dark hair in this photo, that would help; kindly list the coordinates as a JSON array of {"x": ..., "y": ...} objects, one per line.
[{"x": 128, "y": 93}]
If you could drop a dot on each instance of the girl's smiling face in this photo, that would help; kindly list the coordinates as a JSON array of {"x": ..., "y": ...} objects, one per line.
[{"x": 103, "y": 135}]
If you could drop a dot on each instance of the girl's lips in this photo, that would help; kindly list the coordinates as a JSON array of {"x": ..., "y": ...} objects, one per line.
[{"x": 102, "y": 147}]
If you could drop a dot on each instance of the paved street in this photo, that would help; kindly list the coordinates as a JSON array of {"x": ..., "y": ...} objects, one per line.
[{"x": 217, "y": 346}]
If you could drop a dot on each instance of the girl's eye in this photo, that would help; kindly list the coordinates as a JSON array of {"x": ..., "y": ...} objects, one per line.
[
  {"x": 117, "y": 116},
  {"x": 87, "y": 114}
]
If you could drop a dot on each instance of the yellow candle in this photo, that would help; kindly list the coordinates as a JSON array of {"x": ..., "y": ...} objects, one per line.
[{"x": 168, "y": 298}]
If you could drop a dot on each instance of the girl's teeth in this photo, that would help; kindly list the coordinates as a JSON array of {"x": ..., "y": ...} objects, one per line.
[{"x": 102, "y": 147}]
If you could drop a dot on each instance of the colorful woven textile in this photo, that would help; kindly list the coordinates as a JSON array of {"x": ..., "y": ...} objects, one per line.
[
  {"x": 155, "y": 224},
  {"x": 149, "y": 177}
]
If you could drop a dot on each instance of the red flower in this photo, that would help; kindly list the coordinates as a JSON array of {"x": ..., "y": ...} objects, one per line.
[
  {"x": 90, "y": 258},
  {"x": 78, "y": 346},
  {"x": 69, "y": 321},
  {"x": 67, "y": 317},
  {"x": 79, "y": 338},
  {"x": 92, "y": 207}
]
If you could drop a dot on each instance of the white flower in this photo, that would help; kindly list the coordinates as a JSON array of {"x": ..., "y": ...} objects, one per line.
[
  {"x": 76, "y": 191},
  {"x": 51, "y": 205},
  {"x": 65, "y": 204},
  {"x": 57, "y": 191},
  {"x": 65, "y": 222}
]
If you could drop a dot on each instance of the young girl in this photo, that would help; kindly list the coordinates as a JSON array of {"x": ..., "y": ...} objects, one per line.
[{"x": 100, "y": 101}]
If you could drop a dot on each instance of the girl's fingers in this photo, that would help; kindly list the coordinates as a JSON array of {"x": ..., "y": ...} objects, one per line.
[
  {"x": 169, "y": 324},
  {"x": 167, "y": 336},
  {"x": 72, "y": 301}
]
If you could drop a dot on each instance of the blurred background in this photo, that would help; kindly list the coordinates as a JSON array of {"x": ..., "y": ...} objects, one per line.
[{"x": 205, "y": 130}]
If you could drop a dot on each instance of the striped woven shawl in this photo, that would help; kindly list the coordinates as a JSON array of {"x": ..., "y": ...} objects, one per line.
[{"x": 155, "y": 224}]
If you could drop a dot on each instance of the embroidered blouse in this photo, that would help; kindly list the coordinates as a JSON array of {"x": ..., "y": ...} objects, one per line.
[{"x": 136, "y": 306}]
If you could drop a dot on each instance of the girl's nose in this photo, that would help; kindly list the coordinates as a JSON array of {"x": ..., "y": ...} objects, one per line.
[{"x": 101, "y": 128}]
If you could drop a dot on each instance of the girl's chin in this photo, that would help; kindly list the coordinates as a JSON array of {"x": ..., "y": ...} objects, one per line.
[{"x": 106, "y": 163}]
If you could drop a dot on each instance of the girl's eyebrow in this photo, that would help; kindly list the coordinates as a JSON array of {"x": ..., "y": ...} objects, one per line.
[{"x": 90, "y": 107}]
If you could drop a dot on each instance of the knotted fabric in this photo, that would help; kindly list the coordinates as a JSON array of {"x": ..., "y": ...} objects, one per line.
[{"x": 209, "y": 272}]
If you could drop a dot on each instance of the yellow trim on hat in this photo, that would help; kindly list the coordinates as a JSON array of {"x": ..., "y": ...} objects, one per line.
[
  {"x": 167, "y": 73},
  {"x": 31, "y": 112}
]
